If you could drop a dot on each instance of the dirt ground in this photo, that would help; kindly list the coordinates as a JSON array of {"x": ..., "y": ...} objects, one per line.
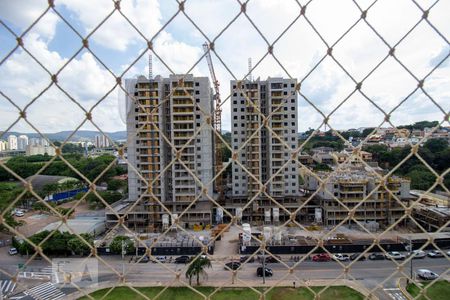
[{"x": 35, "y": 221}]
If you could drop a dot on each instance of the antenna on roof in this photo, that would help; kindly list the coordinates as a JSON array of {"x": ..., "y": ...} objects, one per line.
[
  {"x": 249, "y": 69},
  {"x": 150, "y": 66}
]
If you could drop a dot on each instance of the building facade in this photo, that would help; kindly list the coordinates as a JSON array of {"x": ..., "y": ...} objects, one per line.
[
  {"x": 101, "y": 141},
  {"x": 39, "y": 142},
  {"x": 351, "y": 186},
  {"x": 22, "y": 142},
  {"x": 4, "y": 145},
  {"x": 267, "y": 154},
  {"x": 38, "y": 149},
  {"x": 12, "y": 142},
  {"x": 163, "y": 111}
]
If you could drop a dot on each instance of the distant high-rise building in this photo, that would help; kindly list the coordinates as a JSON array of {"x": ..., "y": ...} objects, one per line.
[
  {"x": 101, "y": 141},
  {"x": 174, "y": 109},
  {"x": 38, "y": 142},
  {"x": 4, "y": 145},
  {"x": 22, "y": 142},
  {"x": 267, "y": 153},
  {"x": 39, "y": 149},
  {"x": 12, "y": 142}
]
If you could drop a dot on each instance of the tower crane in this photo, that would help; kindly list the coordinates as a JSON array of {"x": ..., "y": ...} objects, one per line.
[{"x": 217, "y": 122}]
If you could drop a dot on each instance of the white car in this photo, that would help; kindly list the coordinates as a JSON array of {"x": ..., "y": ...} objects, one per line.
[
  {"x": 19, "y": 213},
  {"x": 426, "y": 274},
  {"x": 418, "y": 254},
  {"x": 161, "y": 259},
  {"x": 395, "y": 255},
  {"x": 341, "y": 257},
  {"x": 435, "y": 254},
  {"x": 13, "y": 251}
]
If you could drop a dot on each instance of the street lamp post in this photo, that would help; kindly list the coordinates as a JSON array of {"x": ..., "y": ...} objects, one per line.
[
  {"x": 123, "y": 257},
  {"x": 264, "y": 265},
  {"x": 412, "y": 258}
]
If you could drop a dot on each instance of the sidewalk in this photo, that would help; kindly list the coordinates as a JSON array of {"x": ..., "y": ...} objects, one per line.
[{"x": 401, "y": 284}]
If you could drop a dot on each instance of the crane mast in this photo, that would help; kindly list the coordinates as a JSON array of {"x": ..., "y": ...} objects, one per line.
[{"x": 217, "y": 123}]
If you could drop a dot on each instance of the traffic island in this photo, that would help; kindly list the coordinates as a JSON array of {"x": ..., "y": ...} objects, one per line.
[
  {"x": 243, "y": 293},
  {"x": 438, "y": 290}
]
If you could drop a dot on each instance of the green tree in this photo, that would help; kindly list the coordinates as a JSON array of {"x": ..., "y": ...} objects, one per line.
[
  {"x": 80, "y": 247},
  {"x": 116, "y": 244},
  {"x": 115, "y": 184},
  {"x": 197, "y": 268},
  {"x": 367, "y": 131},
  {"x": 436, "y": 145},
  {"x": 49, "y": 189},
  {"x": 322, "y": 167},
  {"x": 421, "y": 178}
]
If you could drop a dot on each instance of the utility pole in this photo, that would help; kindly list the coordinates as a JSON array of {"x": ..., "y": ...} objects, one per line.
[
  {"x": 264, "y": 264},
  {"x": 412, "y": 258},
  {"x": 123, "y": 257}
]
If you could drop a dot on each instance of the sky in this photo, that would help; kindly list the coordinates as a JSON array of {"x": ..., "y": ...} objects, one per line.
[{"x": 297, "y": 47}]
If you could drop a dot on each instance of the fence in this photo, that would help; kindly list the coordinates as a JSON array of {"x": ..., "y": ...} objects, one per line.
[{"x": 126, "y": 25}]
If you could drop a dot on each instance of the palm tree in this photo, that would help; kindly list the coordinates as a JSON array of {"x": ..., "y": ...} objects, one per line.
[{"x": 197, "y": 267}]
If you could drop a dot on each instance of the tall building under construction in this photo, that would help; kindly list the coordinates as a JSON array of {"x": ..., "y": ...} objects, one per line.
[
  {"x": 169, "y": 142},
  {"x": 264, "y": 148}
]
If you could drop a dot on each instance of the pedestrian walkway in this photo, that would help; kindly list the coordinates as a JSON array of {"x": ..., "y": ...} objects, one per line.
[
  {"x": 395, "y": 293},
  {"x": 45, "y": 291},
  {"x": 43, "y": 274},
  {"x": 7, "y": 287}
]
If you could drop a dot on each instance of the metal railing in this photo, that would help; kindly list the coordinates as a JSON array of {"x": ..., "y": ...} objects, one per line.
[{"x": 302, "y": 15}]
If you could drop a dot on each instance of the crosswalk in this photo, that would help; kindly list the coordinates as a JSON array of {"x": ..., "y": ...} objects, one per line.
[
  {"x": 7, "y": 287},
  {"x": 44, "y": 274},
  {"x": 395, "y": 294},
  {"x": 45, "y": 291}
]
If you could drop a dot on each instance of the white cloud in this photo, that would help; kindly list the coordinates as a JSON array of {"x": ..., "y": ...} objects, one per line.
[
  {"x": 179, "y": 45},
  {"x": 116, "y": 33},
  {"x": 22, "y": 13}
]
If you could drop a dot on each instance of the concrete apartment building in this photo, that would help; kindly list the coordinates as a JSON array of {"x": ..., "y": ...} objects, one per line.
[
  {"x": 12, "y": 142},
  {"x": 101, "y": 141},
  {"x": 264, "y": 154},
  {"x": 351, "y": 186},
  {"x": 169, "y": 109},
  {"x": 22, "y": 142}
]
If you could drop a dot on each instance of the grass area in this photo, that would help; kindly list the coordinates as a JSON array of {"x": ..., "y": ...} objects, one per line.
[
  {"x": 183, "y": 293},
  {"x": 437, "y": 291}
]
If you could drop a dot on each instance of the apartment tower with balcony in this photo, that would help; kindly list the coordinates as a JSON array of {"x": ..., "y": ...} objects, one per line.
[
  {"x": 264, "y": 151},
  {"x": 171, "y": 150}
]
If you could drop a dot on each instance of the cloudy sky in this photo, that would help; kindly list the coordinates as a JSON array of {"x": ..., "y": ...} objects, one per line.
[{"x": 116, "y": 44}]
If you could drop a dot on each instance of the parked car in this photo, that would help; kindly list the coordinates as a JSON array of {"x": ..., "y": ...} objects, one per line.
[
  {"x": 243, "y": 259},
  {"x": 357, "y": 256},
  {"x": 144, "y": 259},
  {"x": 161, "y": 259},
  {"x": 426, "y": 274},
  {"x": 13, "y": 251},
  {"x": 268, "y": 272},
  {"x": 418, "y": 254},
  {"x": 184, "y": 259},
  {"x": 395, "y": 255},
  {"x": 19, "y": 213},
  {"x": 233, "y": 265},
  {"x": 321, "y": 257},
  {"x": 341, "y": 257},
  {"x": 435, "y": 254},
  {"x": 376, "y": 256}
]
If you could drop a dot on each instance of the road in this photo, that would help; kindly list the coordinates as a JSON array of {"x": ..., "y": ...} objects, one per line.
[{"x": 368, "y": 274}]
